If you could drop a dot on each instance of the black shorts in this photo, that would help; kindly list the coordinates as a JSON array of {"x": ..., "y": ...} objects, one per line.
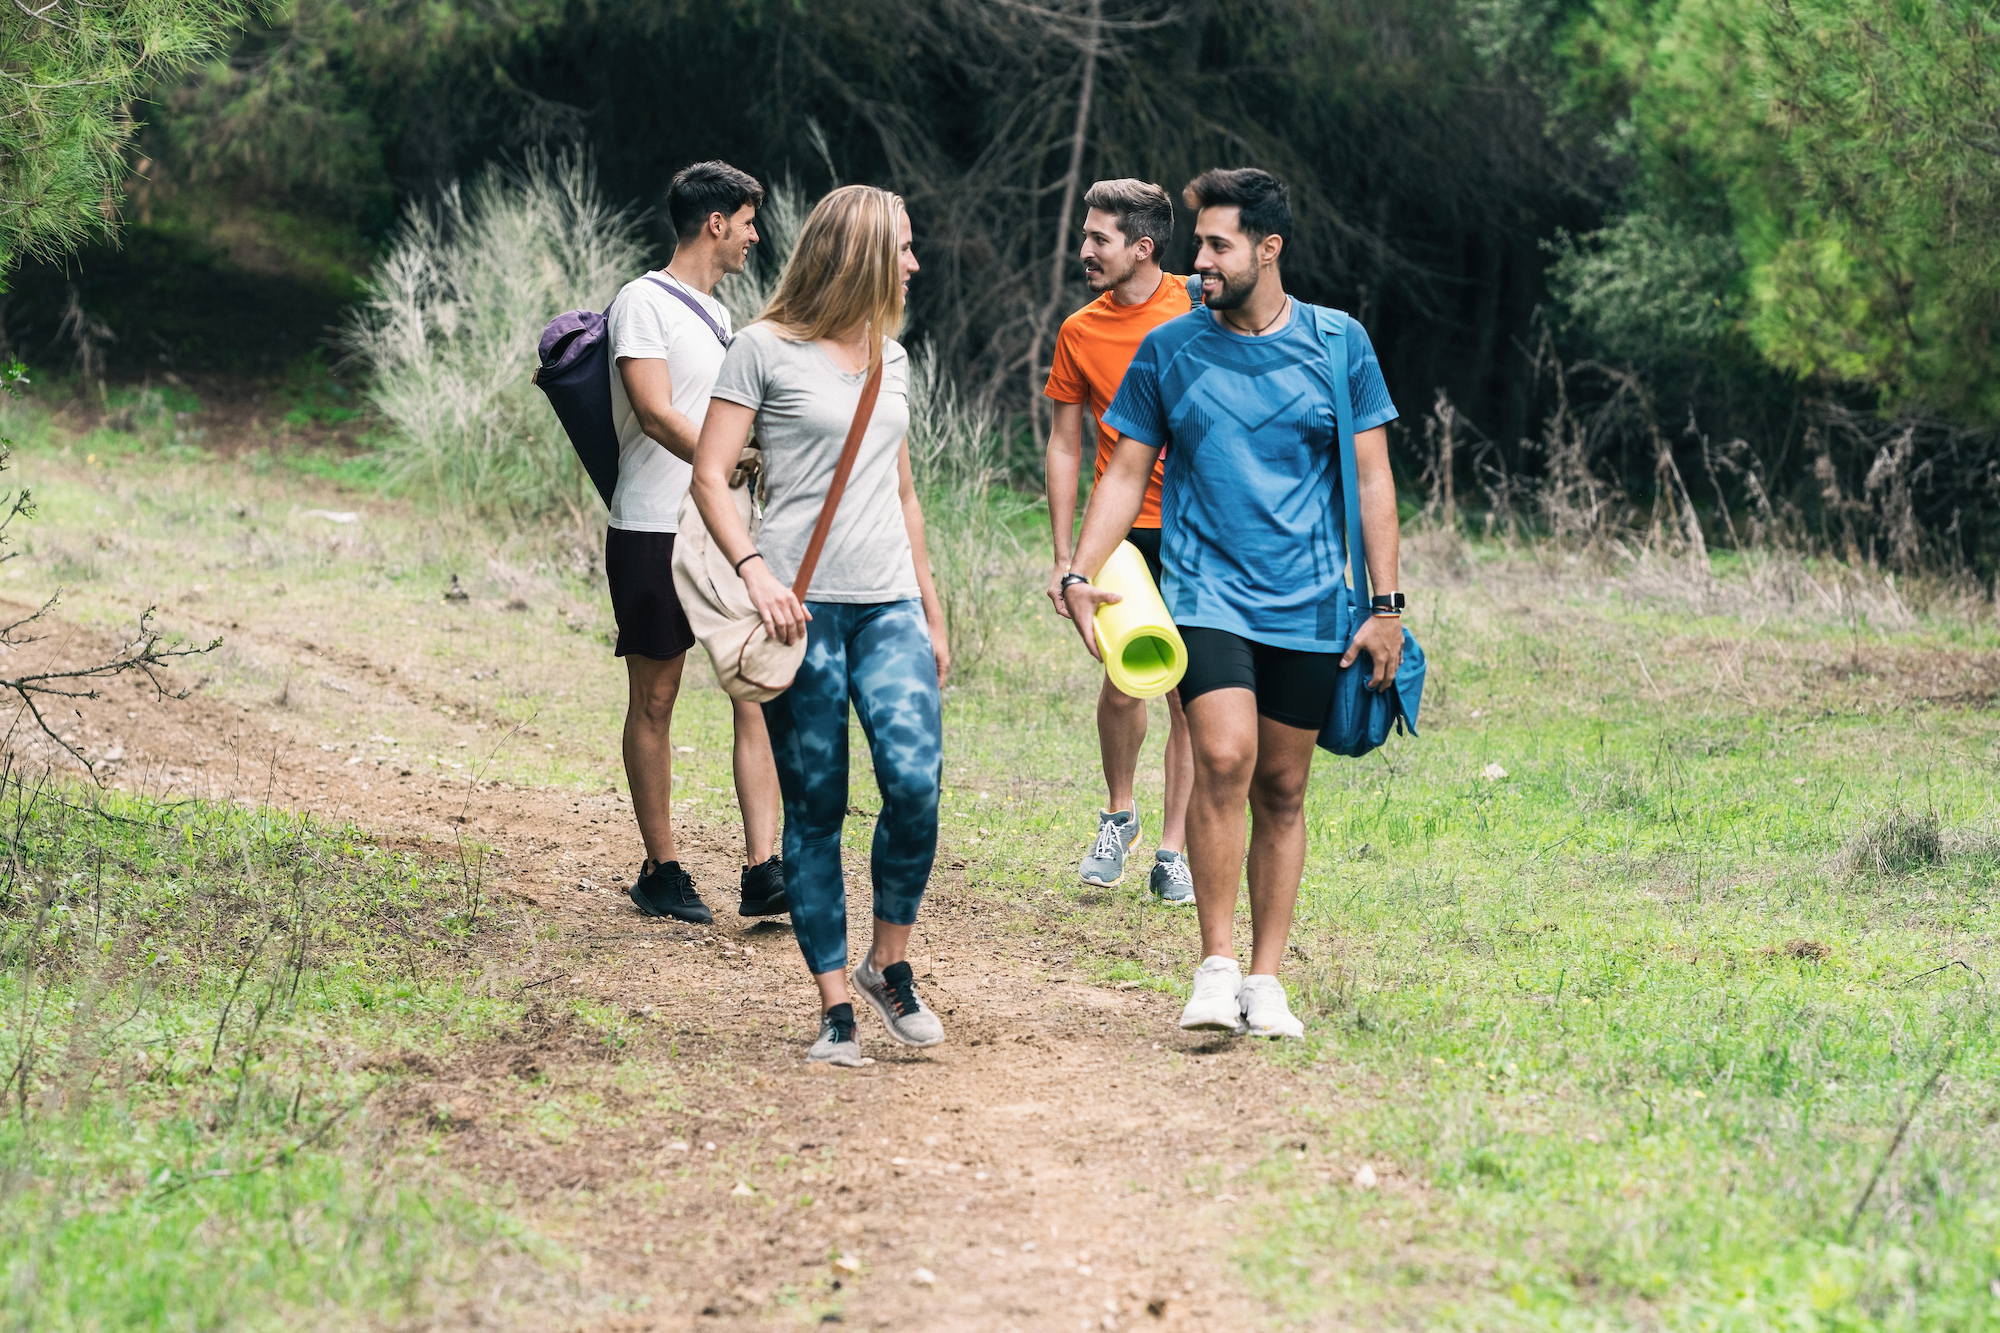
[
  {"x": 1147, "y": 540},
  {"x": 1292, "y": 686},
  {"x": 640, "y": 568}
]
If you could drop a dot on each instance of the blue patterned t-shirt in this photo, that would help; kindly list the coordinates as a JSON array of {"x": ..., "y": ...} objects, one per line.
[{"x": 1251, "y": 516}]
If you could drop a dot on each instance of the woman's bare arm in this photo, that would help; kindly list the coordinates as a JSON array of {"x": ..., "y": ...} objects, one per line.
[{"x": 724, "y": 432}]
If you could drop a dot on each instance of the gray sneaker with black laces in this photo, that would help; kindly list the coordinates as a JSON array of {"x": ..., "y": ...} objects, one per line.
[
  {"x": 838, "y": 1043},
  {"x": 1117, "y": 835},
  {"x": 893, "y": 992},
  {"x": 1172, "y": 882}
]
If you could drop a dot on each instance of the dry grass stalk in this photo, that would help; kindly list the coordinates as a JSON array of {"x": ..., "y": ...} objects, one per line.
[{"x": 1897, "y": 843}]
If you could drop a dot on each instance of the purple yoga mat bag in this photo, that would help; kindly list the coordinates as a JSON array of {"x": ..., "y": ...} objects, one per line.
[{"x": 574, "y": 370}]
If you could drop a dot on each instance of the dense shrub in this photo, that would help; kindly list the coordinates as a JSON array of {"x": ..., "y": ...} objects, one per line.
[{"x": 450, "y": 326}]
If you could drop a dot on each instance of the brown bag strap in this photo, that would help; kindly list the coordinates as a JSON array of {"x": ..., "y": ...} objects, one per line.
[{"x": 863, "y": 410}]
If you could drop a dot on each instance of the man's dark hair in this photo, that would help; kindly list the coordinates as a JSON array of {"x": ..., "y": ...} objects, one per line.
[
  {"x": 1142, "y": 207},
  {"x": 1264, "y": 201},
  {"x": 705, "y": 188}
]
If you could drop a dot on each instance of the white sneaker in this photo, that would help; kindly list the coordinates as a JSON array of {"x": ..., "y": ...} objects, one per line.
[
  {"x": 1214, "y": 1006},
  {"x": 1265, "y": 1013}
]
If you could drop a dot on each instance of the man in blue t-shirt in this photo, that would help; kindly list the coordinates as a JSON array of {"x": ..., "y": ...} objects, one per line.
[{"x": 1255, "y": 564}]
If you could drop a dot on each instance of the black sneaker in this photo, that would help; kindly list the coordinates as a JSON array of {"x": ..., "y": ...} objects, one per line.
[
  {"x": 667, "y": 890},
  {"x": 764, "y": 889}
]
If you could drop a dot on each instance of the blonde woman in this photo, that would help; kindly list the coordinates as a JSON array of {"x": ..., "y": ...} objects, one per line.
[{"x": 871, "y": 619}]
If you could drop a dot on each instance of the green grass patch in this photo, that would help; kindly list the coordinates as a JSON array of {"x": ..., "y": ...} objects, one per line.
[
  {"x": 195, "y": 996},
  {"x": 1669, "y": 936}
]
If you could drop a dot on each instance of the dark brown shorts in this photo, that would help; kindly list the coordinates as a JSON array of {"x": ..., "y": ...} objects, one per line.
[{"x": 640, "y": 568}]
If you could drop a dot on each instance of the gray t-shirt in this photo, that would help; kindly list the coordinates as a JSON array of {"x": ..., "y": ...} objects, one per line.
[{"x": 804, "y": 406}]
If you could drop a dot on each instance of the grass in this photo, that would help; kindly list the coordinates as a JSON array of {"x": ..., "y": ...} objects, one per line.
[
  {"x": 192, "y": 993},
  {"x": 1651, "y": 982},
  {"x": 1627, "y": 978}
]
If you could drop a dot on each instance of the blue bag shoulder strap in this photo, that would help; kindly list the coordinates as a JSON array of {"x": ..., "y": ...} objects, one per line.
[
  {"x": 691, "y": 304},
  {"x": 1332, "y": 326}
]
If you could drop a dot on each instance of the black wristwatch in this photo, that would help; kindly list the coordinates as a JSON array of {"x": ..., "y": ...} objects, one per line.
[
  {"x": 1386, "y": 601},
  {"x": 1070, "y": 580}
]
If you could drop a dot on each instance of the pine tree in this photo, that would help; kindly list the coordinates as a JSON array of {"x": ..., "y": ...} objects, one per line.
[{"x": 69, "y": 73}]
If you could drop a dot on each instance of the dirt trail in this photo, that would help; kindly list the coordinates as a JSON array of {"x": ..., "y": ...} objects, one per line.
[{"x": 1068, "y": 1160}]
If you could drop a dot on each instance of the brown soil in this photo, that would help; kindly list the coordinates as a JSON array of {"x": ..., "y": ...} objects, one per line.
[{"x": 1068, "y": 1159}]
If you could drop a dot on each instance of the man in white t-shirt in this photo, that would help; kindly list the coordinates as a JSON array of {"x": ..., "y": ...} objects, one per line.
[{"x": 667, "y": 334}]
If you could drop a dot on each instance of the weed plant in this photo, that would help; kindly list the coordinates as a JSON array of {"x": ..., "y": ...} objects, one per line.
[
  {"x": 190, "y": 994},
  {"x": 450, "y": 327}
]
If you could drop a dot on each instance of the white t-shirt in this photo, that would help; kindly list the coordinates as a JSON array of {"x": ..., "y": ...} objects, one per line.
[{"x": 649, "y": 323}]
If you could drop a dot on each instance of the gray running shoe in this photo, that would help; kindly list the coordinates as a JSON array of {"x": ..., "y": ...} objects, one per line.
[
  {"x": 838, "y": 1043},
  {"x": 1117, "y": 835},
  {"x": 1173, "y": 884},
  {"x": 893, "y": 992}
]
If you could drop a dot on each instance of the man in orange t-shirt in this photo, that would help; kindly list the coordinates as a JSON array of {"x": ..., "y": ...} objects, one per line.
[{"x": 1128, "y": 225}]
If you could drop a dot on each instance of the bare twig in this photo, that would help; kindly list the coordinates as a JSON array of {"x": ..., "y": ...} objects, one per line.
[{"x": 1902, "y": 1128}]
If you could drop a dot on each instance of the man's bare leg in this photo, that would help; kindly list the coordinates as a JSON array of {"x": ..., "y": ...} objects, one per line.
[
  {"x": 1180, "y": 776},
  {"x": 1121, "y": 731},
  {"x": 757, "y": 792},
  {"x": 1277, "y": 838},
  {"x": 1246, "y": 764},
  {"x": 1223, "y": 734},
  {"x": 652, "y": 688}
]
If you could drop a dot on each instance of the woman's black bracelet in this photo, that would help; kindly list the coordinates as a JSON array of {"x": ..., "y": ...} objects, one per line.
[{"x": 738, "y": 566}]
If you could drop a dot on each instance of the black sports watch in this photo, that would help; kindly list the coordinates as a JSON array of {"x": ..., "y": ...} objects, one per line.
[
  {"x": 1070, "y": 580},
  {"x": 1386, "y": 601}
]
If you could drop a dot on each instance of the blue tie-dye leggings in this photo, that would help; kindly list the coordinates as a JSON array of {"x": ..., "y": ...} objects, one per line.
[{"x": 880, "y": 656}]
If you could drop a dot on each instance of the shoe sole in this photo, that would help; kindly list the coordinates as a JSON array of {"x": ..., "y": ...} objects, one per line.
[
  {"x": 841, "y": 1061},
  {"x": 887, "y": 1015},
  {"x": 1165, "y": 901},
  {"x": 1235, "y": 1029},
  {"x": 769, "y": 907},
  {"x": 656, "y": 915}
]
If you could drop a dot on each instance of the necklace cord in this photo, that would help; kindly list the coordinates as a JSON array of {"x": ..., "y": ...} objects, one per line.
[{"x": 1283, "y": 310}]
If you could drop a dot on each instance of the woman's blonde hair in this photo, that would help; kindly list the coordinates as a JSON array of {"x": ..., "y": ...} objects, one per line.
[{"x": 844, "y": 270}]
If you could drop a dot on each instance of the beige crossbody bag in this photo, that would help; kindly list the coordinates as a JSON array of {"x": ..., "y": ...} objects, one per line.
[{"x": 750, "y": 664}]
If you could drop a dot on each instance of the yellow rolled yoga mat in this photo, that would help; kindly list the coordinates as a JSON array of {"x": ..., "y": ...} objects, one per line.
[{"x": 1143, "y": 652}]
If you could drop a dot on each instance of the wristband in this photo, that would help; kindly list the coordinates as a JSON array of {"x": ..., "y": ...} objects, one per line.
[
  {"x": 738, "y": 566},
  {"x": 1070, "y": 580},
  {"x": 1387, "y": 601}
]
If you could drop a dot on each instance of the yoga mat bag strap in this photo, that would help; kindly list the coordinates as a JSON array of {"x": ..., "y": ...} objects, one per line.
[
  {"x": 573, "y": 366},
  {"x": 691, "y": 304},
  {"x": 1360, "y": 719},
  {"x": 749, "y": 663}
]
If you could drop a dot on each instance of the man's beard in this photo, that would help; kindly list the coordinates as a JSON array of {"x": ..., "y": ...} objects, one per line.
[
  {"x": 735, "y": 255},
  {"x": 1235, "y": 290},
  {"x": 1102, "y": 279}
]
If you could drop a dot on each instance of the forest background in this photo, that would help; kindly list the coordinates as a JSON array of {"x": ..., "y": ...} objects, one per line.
[
  {"x": 1649, "y": 989},
  {"x": 1724, "y": 266}
]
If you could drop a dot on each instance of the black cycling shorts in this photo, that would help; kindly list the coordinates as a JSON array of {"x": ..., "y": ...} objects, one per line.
[
  {"x": 1292, "y": 686},
  {"x": 1147, "y": 541}
]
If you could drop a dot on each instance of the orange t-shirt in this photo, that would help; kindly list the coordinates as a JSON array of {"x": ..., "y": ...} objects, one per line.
[{"x": 1095, "y": 346}]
